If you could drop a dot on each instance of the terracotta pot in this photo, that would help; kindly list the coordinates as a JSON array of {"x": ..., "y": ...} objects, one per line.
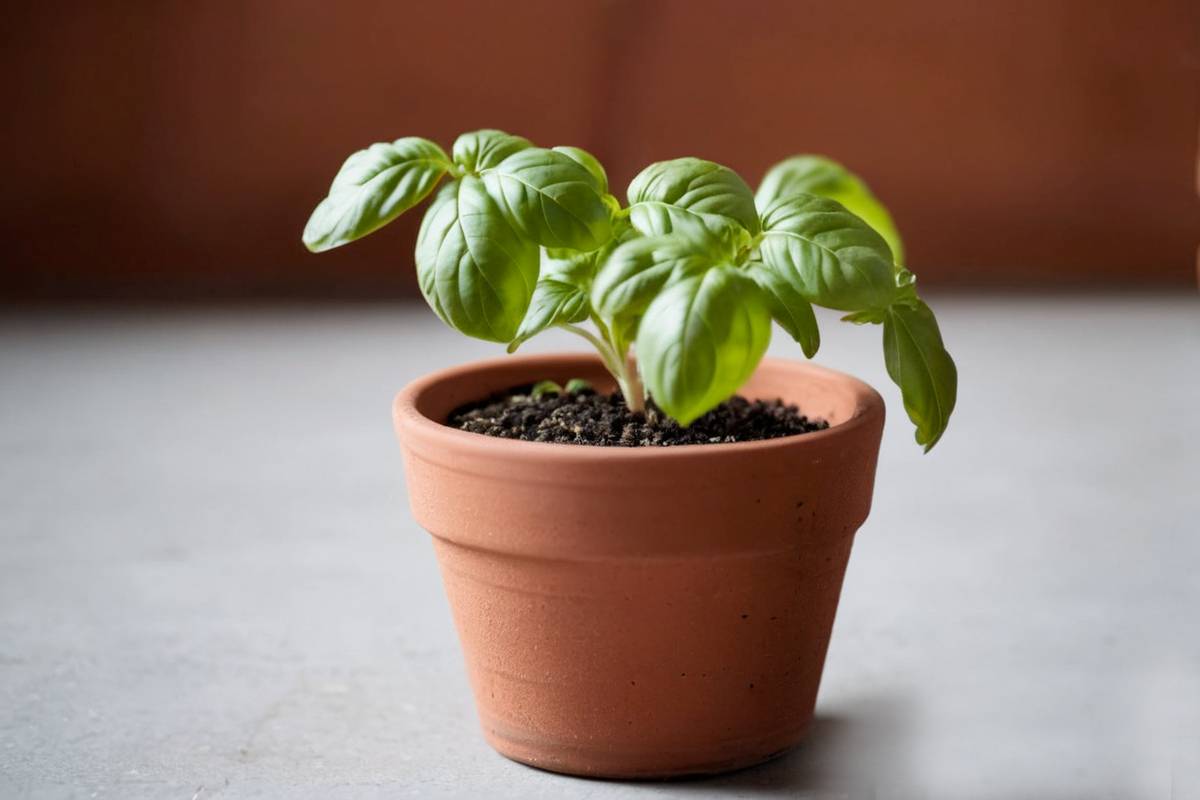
[{"x": 638, "y": 612}]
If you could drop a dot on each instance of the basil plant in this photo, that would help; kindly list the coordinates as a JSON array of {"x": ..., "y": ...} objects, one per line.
[{"x": 689, "y": 274}]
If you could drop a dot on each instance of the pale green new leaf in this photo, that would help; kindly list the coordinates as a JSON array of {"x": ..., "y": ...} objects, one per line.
[
  {"x": 788, "y": 307},
  {"x": 480, "y": 150},
  {"x": 810, "y": 174},
  {"x": 374, "y": 187},
  {"x": 701, "y": 339},
  {"x": 918, "y": 362},
  {"x": 551, "y": 199},
  {"x": 589, "y": 162},
  {"x": 560, "y": 296},
  {"x": 831, "y": 257},
  {"x": 475, "y": 271},
  {"x": 664, "y": 192}
]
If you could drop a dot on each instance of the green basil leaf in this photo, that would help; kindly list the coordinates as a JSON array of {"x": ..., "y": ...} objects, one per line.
[
  {"x": 701, "y": 339},
  {"x": 550, "y": 198},
  {"x": 374, "y": 187},
  {"x": 788, "y": 307},
  {"x": 480, "y": 150},
  {"x": 636, "y": 271},
  {"x": 553, "y": 303},
  {"x": 589, "y": 162},
  {"x": 577, "y": 269},
  {"x": 918, "y": 362},
  {"x": 690, "y": 188},
  {"x": 721, "y": 243},
  {"x": 475, "y": 271},
  {"x": 829, "y": 255},
  {"x": 801, "y": 174},
  {"x": 561, "y": 295},
  {"x": 809, "y": 174},
  {"x": 870, "y": 317}
]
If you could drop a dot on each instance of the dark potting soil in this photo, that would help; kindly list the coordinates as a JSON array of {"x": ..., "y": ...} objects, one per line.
[{"x": 598, "y": 419}]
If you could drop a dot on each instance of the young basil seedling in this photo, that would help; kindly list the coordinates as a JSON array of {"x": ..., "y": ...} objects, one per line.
[
  {"x": 544, "y": 388},
  {"x": 689, "y": 274}
]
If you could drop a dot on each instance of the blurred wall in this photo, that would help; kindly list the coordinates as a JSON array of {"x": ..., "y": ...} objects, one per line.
[{"x": 175, "y": 149}]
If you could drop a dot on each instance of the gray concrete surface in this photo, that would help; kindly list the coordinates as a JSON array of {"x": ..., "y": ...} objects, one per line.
[{"x": 210, "y": 585}]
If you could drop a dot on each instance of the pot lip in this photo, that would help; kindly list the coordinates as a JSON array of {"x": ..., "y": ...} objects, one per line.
[{"x": 410, "y": 422}]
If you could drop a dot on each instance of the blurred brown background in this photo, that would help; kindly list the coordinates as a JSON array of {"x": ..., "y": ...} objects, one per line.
[{"x": 161, "y": 149}]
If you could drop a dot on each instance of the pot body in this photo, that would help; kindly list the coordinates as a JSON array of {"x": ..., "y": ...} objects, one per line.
[{"x": 642, "y": 612}]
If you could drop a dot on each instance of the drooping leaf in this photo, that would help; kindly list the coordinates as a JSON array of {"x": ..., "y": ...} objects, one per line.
[
  {"x": 374, "y": 187},
  {"x": 690, "y": 187},
  {"x": 561, "y": 295},
  {"x": 475, "y": 271},
  {"x": 829, "y": 255},
  {"x": 788, "y": 307},
  {"x": 906, "y": 295},
  {"x": 918, "y": 362},
  {"x": 589, "y": 162},
  {"x": 549, "y": 198},
  {"x": 480, "y": 150},
  {"x": 700, "y": 339},
  {"x": 636, "y": 272},
  {"x": 810, "y": 174}
]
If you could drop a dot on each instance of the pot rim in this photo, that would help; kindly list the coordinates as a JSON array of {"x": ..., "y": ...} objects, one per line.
[{"x": 410, "y": 421}]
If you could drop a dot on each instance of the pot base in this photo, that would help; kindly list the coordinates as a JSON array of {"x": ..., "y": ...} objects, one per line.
[{"x": 608, "y": 765}]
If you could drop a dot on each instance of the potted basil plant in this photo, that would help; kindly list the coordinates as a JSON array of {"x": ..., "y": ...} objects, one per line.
[{"x": 643, "y": 547}]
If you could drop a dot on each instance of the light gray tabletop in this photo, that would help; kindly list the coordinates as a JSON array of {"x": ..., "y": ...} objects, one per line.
[{"x": 210, "y": 585}]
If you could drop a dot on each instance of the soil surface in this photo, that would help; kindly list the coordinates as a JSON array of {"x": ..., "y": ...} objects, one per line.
[{"x": 598, "y": 419}]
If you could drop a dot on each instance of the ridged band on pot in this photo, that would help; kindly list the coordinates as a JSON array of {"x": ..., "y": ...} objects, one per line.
[{"x": 636, "y": 612}]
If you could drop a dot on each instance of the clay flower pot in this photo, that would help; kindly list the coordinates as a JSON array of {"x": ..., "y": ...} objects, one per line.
[{"x": 642, "y": 612}]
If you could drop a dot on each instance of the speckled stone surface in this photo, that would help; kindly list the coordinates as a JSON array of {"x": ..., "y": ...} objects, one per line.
[{"x": 210, "y": 585}]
